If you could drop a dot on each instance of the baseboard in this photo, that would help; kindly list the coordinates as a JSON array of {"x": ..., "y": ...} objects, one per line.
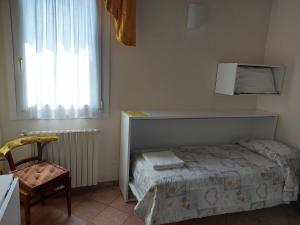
[{"x": 94, "y": 187}]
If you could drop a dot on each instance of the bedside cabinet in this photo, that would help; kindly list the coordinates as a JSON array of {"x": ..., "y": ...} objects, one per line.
[{"x": 9, "y": 201}]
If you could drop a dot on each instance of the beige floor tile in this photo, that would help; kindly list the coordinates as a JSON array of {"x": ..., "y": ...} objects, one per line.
[
  {"x": 133, "y": 220},
  {"x": 91, "y": 223},
  {"x": 60, "y": 201},
  {"x": 110, "y": 216},
  {"x": 293, "y": 220},
  {"x": 293, "y": 215},
  {"x": 211, "y": 220},
  {"x": 190, "y": 222},
  {"x": 214, "y": 220},
  {"x": 274, "y": 216},
  {"x": 88, "y": 209},
  {"x": 69, "y": 220},
  {"x": 45, "y": 215},
  {"x": 242, "y": 218},
  {"x": 123, "y": 206},
  {"x": 106, "y": 195},
  {"x": 105, "y": 206}
]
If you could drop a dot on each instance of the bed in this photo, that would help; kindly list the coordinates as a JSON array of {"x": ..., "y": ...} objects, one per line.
[
  {"x": 218, "y": 179},
  {"x": 221, "y": 178}
]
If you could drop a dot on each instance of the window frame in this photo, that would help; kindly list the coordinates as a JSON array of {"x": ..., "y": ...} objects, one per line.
[{"x": 11, "y": 63}]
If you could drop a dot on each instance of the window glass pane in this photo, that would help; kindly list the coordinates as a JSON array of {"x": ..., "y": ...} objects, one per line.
[{"x": 56, "y": 48}]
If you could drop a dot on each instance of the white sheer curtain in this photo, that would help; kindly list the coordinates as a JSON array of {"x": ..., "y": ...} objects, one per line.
[{"x": 60, "y": 59}]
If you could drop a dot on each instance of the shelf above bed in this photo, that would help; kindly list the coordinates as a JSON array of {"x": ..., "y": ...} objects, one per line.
[{"x": 249, "y": 79}]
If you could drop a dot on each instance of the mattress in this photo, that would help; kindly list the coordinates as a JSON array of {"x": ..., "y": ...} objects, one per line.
[{"x": 214, "y": 180}]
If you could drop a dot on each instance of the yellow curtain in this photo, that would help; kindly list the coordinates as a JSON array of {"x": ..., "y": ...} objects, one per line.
[{"x": 124, "y": 13}]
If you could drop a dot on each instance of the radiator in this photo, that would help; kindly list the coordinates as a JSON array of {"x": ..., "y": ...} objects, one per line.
[{"x": 75, "y": 150}]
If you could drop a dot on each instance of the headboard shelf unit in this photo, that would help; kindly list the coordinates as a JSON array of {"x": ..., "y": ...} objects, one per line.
[
  {"x": 153, "y": 129},
  {"x": 227, "y": 77}
]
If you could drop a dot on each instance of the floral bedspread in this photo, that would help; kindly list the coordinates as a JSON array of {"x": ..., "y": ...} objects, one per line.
[{"x": 215, "y": 180}]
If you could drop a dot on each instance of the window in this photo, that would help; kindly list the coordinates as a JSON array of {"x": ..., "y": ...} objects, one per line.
[{"x": 57, "y": 56}]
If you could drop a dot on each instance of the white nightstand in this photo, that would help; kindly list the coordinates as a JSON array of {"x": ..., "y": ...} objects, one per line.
[{"x": 9, "y": 201}]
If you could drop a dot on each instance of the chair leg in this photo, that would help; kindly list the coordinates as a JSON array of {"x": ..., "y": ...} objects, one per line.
[
  {"x": 68, "y": 195},
  {"x": 26, "y": 202}
]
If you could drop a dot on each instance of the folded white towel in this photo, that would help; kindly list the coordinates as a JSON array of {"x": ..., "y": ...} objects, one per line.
[{"x": 163, "y": 160}]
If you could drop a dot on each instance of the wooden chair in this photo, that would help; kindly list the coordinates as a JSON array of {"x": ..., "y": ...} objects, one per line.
[{"x": 39, "y": 180}]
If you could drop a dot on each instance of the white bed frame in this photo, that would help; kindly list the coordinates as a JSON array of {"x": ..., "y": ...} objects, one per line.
[{"x": 170, "y": 129}]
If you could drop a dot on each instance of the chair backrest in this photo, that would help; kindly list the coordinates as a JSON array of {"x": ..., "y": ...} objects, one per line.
[{"x": 41, "y": 142}]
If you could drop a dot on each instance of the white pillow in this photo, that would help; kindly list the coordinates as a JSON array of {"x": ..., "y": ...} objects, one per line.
[
  {"x": 276, "y": 146},
  {"x": 254, "y": 80}
]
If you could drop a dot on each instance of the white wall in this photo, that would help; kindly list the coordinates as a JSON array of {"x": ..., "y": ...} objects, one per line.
[
  {"x": 171, "y": 67},
  {"x": 283, "y": 47}
]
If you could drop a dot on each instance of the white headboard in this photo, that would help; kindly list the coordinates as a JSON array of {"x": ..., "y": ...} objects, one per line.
[
  {"x": 145, "y": 129},
  {"x": 147, "y": 133}
]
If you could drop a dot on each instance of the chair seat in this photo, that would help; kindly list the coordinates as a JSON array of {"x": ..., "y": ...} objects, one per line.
[{"x": 37, "y": 175}]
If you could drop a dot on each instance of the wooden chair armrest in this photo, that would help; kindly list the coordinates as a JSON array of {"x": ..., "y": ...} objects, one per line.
[{"x": 25, "y": 141}]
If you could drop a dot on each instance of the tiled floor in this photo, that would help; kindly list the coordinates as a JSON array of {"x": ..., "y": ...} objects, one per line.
[{"x": 105, "y": 206}]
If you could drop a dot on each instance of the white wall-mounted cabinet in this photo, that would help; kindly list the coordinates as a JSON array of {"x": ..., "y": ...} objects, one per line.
[{"x": 228, "y": 78}]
